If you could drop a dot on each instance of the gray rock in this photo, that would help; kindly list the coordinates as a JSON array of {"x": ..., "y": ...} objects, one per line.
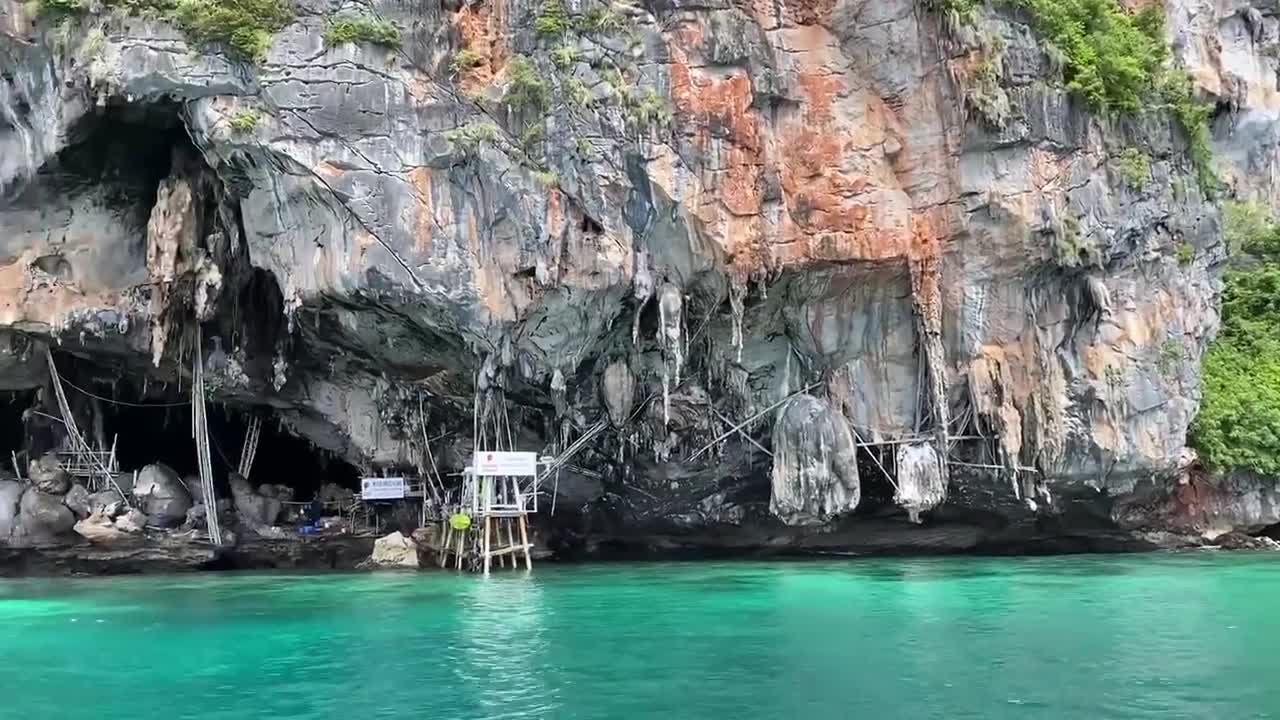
[
  {"x": 99, "y": 528},
  {"x": 815, "y": 465},
  {"x": 10, "y": 496},
  {"x": 133, "y": 521},
  {"x": 252, "y": 508},
  {"x": 43, "y": 515},
  {"x": 48, "y": 476},
  {"x": 394, "y": 550},
  {"x": 162, "y": 496},
  {"x": 106, "y": 501},
  {"x": 78, "y": 500}
]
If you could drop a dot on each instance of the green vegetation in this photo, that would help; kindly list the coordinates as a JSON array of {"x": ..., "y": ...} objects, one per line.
[
  {"x": 362, "y": 29},
  {"x": 465, "y": 60},
  {"x": 532, "y": 137},
  {"x": 1134, "y": 167},
  {"x": 1170, "y": 358},
  {"x": 577, "y": 92},
  {"x": 564, "y": 55},
  {"x": 1186, "y": 253},
  {"x": 470, "y": 137},
  {"x": 1239, "y": 421},
  {"x": 552, "y": 19},
  {"x": 244, "y": 121},
  {"x": 244, "y": 27},
  {"x": 647, "y": 109},
  {"x": 956, "y": 13},
  {"x": 1119, "y": 62},
  {"x": 601, "y": 19},
  {"x": 987, "y": 97},
  {"x": 546, "y": 178},
  {"x": 526, "y": 88}
]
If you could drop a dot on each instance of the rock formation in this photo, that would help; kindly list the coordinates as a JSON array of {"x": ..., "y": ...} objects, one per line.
[
  {"x": 394, "y": 550},
  {"x": 645, "y": 225}
]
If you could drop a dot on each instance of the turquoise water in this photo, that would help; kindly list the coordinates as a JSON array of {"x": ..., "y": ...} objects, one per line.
[{"x": 1191, "y": 636}]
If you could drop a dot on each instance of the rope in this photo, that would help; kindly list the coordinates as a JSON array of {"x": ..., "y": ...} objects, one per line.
[
  {"x": 200, "y": 429},
  {"x": 126, "y": 403}
]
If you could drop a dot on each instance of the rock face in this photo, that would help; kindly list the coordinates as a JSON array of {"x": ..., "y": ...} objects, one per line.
[
  {"x": 394, "y": 550},
  {"x": 43, "y": 515},
  {"x": 253, "y": 508},
  {"x": 815, "y": 463},
  {"x": 48, "y": 475},
  {"x": 647, "y": 246},
  {"x": 162, "y": 495}
]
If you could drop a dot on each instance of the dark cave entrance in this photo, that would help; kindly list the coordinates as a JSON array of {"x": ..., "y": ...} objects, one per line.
[
  {"x": 877, "y": 491},
  {"x": 151, "y": 434},
  {"x": 14, "y": 428}
]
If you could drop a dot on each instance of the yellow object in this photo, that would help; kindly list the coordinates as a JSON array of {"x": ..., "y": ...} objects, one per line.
[{"x": 460, "y": 521}]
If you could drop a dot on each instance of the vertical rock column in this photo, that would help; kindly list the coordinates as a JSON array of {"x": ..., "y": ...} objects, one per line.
[{"x": 926, "y": 298}]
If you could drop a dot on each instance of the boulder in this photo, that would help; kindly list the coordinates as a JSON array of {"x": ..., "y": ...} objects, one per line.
[
  {"x": 98, "y": 528},
  {"x": 43, "y": 514},
  {"x": 815, "y": 463},
  {"x": 162, "y": 496},
  {"x": 133, "y": 521},
  {"x": 78, "y": 501},
  {"x": 108, "y": 502},
  {"x": 10, "y": 496},
  {"x": 394, "y": 550},
  {"x": 279, "y": 492},
  {"x": 253, "y": 508},
  {"x": 48, "y": 476},
  {"x": 335, "y": 493}
]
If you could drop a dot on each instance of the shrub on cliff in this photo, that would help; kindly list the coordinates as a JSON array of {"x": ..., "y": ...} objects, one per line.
[
  {"x": 361, "y": 29},
  {"x": 1239, "y": 421},
  {"x": 243, "y": 27}
]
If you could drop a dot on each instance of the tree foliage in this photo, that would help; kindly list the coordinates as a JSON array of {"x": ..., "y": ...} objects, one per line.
[{"x": 1239, "y": 421}]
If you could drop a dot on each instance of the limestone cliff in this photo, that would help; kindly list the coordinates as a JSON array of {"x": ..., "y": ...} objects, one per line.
[{"x": 646, "y": 224}]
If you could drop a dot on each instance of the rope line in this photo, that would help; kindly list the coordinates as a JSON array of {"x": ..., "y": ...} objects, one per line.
[{"x": 123, "y": 402}]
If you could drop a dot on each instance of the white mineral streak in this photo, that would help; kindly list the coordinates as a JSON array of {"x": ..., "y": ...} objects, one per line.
[
  {"x": 921, "y": 485},
  {"x": 815, "y": 467}
]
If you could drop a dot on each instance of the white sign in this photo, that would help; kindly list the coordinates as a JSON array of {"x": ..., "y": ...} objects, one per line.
[
  {"x": 518, "y": 464},
  {"x": 382, "y": 488}
]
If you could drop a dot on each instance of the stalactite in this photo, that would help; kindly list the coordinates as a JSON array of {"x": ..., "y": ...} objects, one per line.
[
  {"x": 926, "y": 297},
  {"x": 737, "y": 298},
  {"x": 670, "y": 338}
]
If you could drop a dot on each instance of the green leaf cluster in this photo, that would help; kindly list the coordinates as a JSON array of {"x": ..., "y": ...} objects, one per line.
[
  {"x": 362, "y": 29},
  {"x": 1239, "y": 421},
  {"x": 1119, "y": 62},
  {"x": 244, "y": 27},
  {"x": 525, "y": 88}
]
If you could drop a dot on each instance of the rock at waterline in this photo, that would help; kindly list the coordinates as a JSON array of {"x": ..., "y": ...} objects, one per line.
[
  {"x": 162, "y": 495},
  {"x": 78, "y": 501},
  {"x": 394, "y": 550},
  {"x": 43, "y": 514},
  {"x": 133, "y": 521},
  {"x": 48, "y": 476},
  {"x": 98, "y": 528}
]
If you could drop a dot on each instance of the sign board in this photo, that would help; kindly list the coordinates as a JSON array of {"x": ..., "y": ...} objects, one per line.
[
  {"x": 382, "y": 488},
  {"x": 517, "y": 464}
]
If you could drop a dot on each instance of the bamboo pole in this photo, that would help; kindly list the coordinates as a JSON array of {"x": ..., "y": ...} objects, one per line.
[
  {"x": 748, "y": 421},
  {"x": 524, "y": 539}
]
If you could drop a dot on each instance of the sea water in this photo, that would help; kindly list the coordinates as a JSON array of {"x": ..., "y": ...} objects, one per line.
[{"x": 1141, "y": 636}]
